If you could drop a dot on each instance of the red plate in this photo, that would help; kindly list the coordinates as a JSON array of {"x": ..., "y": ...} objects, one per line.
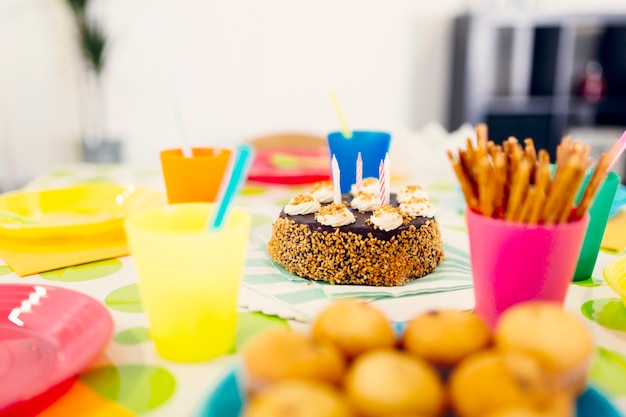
[
  {"x": 48, "y": 335},
  {"x": 290, "y": 166}
]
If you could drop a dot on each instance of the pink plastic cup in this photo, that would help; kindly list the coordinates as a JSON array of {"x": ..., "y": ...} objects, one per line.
[{"x": 516, "y": 262}]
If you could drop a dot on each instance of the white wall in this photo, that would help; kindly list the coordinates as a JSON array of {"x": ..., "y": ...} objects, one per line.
[{"x": 235, "y": 68}]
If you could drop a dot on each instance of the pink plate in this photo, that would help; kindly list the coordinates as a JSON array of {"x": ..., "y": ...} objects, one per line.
[{"x": 48, "y": 335}]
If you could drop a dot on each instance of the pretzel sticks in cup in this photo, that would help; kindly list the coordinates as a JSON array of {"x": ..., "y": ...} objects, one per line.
[{"x": 516, "y": 182}]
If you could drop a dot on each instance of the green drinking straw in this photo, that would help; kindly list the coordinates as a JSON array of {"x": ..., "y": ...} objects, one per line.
[
  {"x": 15, "y": 217},
  {"x": 232, "y": 186}
]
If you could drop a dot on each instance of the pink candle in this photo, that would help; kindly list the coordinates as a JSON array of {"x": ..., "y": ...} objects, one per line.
[
  {"x": 382, "y": 183},
  {"x": 359, "y": 173}
]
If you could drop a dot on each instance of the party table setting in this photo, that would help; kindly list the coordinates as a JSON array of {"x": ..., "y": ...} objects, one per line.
[{"x": 108, "y": 308}]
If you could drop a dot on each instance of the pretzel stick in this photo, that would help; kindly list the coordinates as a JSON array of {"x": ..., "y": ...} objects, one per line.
[
  {"x": 516, "y": 157},
  {"x": 563, "y": 179},
  {"x": 584, "y": 151},
  {"x": 579, "y": 149},
  {"x": 542, "y": 174},
  {"x": 518, "y": 190},
  {"x": 466, "y": 185},
  {"x": 482, "y": 135},
  {"x": 485, "y": 191},
  {"x": 531, "y": 155},
  {"x": 468, "y": 169},
  {"x": 492, "y": 149},
  {"x": 469, "y": 150},
  {"x": 515, "y": 152},
  {"x": 542, "y": 183},
  {"x": 536, "y": 210},
  {"x": 599, "y": 174},
  {"x": 575, "y": 165},
  {"x": 563, "y": 150},
  {"x": 529, "y": 148},
  {"x": 469, "y": 158},
  {"x": 529, "y": 202},
  {"x": 570, "y": 195},
  {"x": 499, "y": 195}
]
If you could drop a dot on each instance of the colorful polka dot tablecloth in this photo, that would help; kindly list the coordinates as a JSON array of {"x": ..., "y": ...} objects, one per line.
[{"x": 130, "y": 379}]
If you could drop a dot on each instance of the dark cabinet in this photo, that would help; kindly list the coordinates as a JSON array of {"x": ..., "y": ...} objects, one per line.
[{"x": 538, "y": 75}]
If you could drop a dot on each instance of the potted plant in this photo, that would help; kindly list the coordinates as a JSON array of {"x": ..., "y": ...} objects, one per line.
[{"x": 96, "y": 145}]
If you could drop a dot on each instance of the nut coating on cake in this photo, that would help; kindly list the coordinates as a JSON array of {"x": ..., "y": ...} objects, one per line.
[{"x": 360, "y": 252}]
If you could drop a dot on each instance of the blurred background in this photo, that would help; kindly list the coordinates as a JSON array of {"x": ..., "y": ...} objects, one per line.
[{"x": 120, "y": 80}]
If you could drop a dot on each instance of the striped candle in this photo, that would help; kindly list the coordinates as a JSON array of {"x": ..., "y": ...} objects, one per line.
[
  {"x": 382, "y": 183},
  {"x": 359, "y": 173},
  {"x": 387, "y": 179}
]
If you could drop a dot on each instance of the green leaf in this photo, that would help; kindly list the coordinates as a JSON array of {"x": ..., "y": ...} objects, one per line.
[
  {"x": 78, "y": 6},
  {"x": 94, "y": 42}
]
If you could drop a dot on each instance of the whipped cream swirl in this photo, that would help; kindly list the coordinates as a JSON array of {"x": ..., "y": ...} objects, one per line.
[
  {"x": 418, "y": 207},
  {"x": 302, "y": 204},
  {"x": 322, "y": 191},
  {"x": 365, "y": 202},
  {"x": 387, "y": 218},
  {"x": 411, "y": 191},
  {"x": 368, "y": 185},
  {"x": 335, "y": 215}
]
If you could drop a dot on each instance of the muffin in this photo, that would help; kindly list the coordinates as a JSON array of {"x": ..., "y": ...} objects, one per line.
[
  {"x": 557, "y": 339},
  {"x": 491, "y": 380},
  {"x": 445, "y": 337},
  {"x": 278, "y": 354},
  {"x": 354, "y": 327},
  {"x": 298, "y": 398},
  {"x": 522, "y": 412},
  {"x": 389, "y": 382}
]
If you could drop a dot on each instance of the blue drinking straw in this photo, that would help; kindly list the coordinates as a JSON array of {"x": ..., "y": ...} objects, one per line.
[{"x": 232, "y": 186}]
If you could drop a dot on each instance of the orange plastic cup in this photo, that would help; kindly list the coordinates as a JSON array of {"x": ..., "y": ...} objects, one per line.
[{"x": 196, "y": 178}]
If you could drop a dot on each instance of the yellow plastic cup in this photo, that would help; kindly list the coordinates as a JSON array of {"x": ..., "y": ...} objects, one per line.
[{"x": 189, "y": 278}]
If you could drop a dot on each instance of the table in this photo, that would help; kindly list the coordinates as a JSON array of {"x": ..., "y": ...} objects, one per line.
[{"x": 129, "y": 379}]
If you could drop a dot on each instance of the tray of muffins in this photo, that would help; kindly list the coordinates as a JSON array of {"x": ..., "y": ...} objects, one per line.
[{"x": 353, "y": 362}]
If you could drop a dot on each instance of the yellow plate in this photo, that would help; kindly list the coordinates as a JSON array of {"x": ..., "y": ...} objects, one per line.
[
  {"x": 615, "y": 276},
  {"x": 78, "y": 210}
]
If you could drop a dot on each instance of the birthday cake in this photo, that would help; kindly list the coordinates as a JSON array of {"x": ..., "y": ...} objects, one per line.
[{"x": 358, "y": 240}]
